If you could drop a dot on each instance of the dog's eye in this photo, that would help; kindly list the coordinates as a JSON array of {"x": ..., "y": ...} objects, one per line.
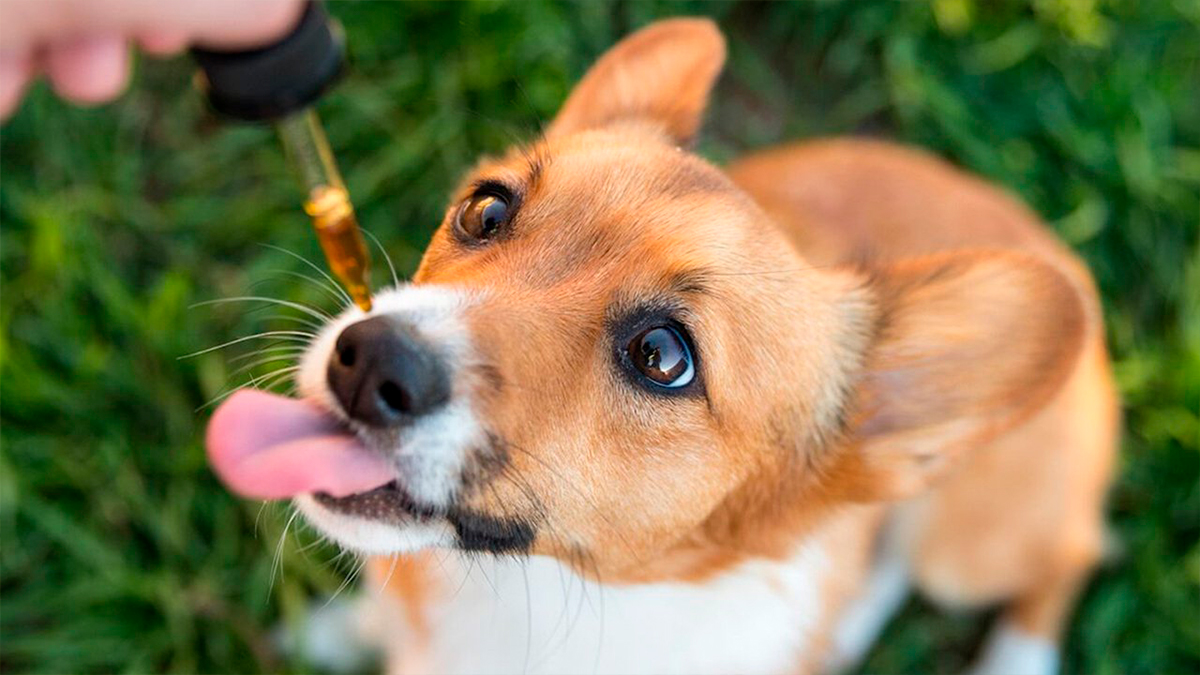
[
  {"x": 482, "y": 215},
  {"x": 662, "y": 355}
]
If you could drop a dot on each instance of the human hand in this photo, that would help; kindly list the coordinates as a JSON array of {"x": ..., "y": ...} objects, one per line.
[{"x": 82, "y": 46}]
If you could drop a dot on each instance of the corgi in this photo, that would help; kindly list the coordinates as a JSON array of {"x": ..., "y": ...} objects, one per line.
[{"x": 638, "y": 414}]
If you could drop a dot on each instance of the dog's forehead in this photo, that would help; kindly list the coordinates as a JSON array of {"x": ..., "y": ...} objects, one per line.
[
  {"x": 597, "y": 201},
  {"x": 616, "y": 169}
]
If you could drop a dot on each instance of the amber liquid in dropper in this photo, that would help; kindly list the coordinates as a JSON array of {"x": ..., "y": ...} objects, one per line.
[
  {"x": 328, "y": 203},
  {"x": 342, "y": 242}
]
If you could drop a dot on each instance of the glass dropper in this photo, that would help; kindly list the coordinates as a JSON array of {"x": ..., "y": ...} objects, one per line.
[
  {"x": 279, "y": 83},
  {"x": 328, "y": 203}
]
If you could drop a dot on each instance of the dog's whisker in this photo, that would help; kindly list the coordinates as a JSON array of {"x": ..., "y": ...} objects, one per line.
[
  {"x": 274, "y": 378},
  {"x": 391, "y": 570},
  {"x": 483, "y": 573},
  {"x": 528, "y": 617},
  {"x": 577, "y": 561},
  {"x": 327, "y": 289},
  {"x": 277, "y": 561},
  {"x": 258, "y": 516},
  {"x": 300, "y": 307},
  {"x": 274, "y": 358},
  {"x": 285, "y": 335},
  {"x": 565, "y": 583},
  {"x": 600, "y": 625},
  {"x": 337, "y": 558},
  {"x": 254, "y": 382},
  {"x": 266, "y": 381},
  {"x": 323, "y": 273},
  {"x": 282, "y": 349},
  {"x": 349, "y": 579},
  {"x": 462, "y": 583},
  {"x": 307, "y": 323},
  {"x": 387, "y": 258},
  {"x": 311, "y": 545}
]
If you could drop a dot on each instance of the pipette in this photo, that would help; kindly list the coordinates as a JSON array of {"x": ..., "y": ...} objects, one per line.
[{"x": 280, "y": 83}]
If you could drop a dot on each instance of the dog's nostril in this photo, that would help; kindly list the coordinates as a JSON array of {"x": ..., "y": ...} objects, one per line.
[
  {"x": 346, "y": 355},
  {"x": 395, "y": 397}
]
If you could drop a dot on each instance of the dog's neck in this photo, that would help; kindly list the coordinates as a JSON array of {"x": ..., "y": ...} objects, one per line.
[{"x": 537, "y": 615}]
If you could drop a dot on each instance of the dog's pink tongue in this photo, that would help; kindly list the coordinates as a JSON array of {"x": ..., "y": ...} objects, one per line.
[{"x": 271, "y": 447}]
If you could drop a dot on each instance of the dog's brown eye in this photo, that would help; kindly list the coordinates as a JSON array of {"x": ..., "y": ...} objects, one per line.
[
  {"x": 662, "y": 355},
  {"x": 483, "y": 215}
]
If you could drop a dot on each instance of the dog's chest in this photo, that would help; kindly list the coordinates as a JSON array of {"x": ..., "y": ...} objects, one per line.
[{"x": 536, "y": 616}]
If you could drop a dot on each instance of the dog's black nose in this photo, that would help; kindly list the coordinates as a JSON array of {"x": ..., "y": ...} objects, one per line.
[{"x": 384, "y": 374}]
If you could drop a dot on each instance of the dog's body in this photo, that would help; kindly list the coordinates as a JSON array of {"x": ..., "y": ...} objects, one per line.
[
  {"x": 1018, "y": 522},
  {"x": 891, "y": 374}
]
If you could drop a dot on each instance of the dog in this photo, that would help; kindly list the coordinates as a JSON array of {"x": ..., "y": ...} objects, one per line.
[{"x": 638, "y": 414}]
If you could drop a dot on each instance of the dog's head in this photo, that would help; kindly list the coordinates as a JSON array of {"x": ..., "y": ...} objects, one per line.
[{"x": 610, "y": 355}]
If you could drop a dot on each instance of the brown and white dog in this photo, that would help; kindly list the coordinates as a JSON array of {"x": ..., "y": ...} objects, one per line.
[{"x": 639, "y": 414}]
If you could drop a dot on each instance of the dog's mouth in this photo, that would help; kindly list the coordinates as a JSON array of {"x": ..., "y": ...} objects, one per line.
[
  {"x": 270, "y": 447},
  {"x": 388, "y": 502}
]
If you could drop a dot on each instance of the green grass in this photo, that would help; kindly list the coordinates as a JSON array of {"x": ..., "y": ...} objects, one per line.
[{"x": 120, "y": 552}]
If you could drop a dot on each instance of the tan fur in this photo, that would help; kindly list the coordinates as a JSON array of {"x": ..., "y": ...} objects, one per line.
[
  {"x": 872, "y": 324},
  {"x": 1026, "y": 509},
  {"x": 409, "y": 578},
  {"x": 659, "y": 91}
]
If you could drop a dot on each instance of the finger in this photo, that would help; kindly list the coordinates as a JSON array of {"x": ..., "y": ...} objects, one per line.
[
  {"x": 220, "y": 24},
  {"x": 89, "y": 70},
  {"x": 16, "y": 70},
  {"x": 162, "y": 42},
  {"x": 236, "y": 24}
]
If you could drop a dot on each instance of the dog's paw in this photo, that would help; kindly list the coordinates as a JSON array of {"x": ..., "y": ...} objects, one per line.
[{"x": 1012, "y": 651}]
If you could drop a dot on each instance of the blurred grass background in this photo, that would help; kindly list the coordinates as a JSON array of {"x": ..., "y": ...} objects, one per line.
[{"x": 120, "y": 552}]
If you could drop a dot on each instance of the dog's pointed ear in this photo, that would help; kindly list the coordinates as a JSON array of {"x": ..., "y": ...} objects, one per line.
[
  {"x": 660, "y": 75},
  {"x": 969, "y": 344}
]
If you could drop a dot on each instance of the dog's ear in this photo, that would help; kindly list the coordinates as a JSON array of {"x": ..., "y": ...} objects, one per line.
[
  {"x": 661, "y": 75},
  {"x": 969, "y": 344}
]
